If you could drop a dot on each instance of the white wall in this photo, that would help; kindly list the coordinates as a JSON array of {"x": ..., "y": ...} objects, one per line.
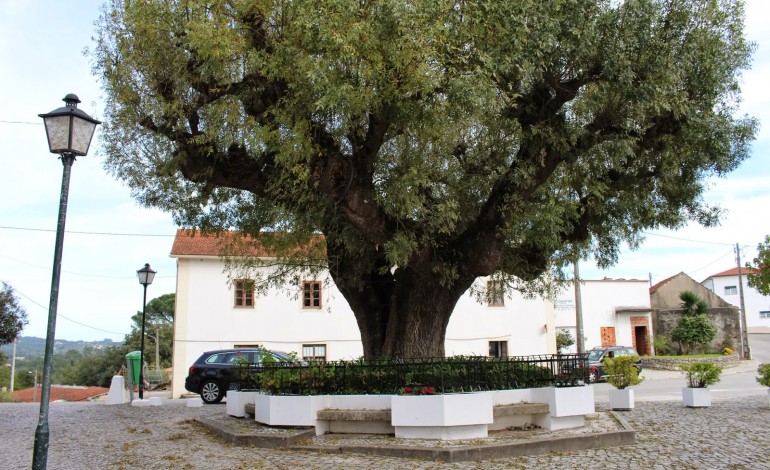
[
  {"x": 526, "y": 324},
  {"x": 601, "y": 300},
  {"x": 753, "y": 301},
  {"x": 206, "y": 320}
]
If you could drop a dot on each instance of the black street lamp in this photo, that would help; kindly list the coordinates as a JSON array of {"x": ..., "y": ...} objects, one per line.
[
  {"x": 69, "y": 132},
  {"x": 145, "y": 275}
]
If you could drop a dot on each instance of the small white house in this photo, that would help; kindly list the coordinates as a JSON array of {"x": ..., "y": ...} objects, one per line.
[
  {"x": 314, "y": 320},
  {"x": 615, "y": 312},
  {"x": 726, "y": 285}
]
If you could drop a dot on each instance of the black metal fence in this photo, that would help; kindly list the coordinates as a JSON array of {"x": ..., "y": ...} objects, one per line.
[{"x": 416, "y": 376}]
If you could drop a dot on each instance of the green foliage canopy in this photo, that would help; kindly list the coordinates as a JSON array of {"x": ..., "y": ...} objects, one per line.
[
  {"x": 12, "y": 315},
  {"x": 760, "y": 279},
  {"x": 431, "y": 142}
]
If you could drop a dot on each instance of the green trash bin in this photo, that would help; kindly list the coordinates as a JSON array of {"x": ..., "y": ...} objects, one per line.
[{"x": 135, "y": 359}]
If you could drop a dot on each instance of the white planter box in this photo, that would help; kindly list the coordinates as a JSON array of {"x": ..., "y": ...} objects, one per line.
[
  {"x": 237, "y": 401},
  {"x": 288, "y": 410},
  {"x": 768, "y": 397},
  {"x": 568, "y": 405},
  {"x": 622, "y": 399},
  {"x": 696, "y": 397},
  {"x": 451, "y": 416}
]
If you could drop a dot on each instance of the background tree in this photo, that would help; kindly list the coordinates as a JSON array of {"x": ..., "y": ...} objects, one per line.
[
  {"x": 430, "y": 142},
  {"x": 693, "y": 329},
  {"x": 12, "y": 315},
  {"x": 159, "y": 331},
  {"x": 760, "y": 279},
  {"x": 564, "y": 339}
]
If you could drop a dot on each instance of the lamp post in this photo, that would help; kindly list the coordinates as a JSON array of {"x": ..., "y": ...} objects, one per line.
[
  {"x": 69, "y": 132},
  {"x": 145, "y": 275}
]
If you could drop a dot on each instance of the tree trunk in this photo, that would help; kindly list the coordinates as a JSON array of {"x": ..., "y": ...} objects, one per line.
[{"x": 400, "y": 314}]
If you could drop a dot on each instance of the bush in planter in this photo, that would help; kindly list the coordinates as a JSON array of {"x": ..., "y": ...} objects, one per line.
[
  {"x": 621, "y": 372},
  {"x": 764, "y": 374},
  {"x": 701, "y": 374}
]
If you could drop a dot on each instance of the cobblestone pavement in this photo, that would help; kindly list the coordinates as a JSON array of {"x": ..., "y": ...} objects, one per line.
[{"x": 732, "y": 434}]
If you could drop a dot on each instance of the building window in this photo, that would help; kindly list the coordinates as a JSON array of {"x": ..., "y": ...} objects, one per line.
[
  {"x": 244, "y": 294},
  {"x": 765, "y": 314},
  {"x": 495, "y": 293},
  {"x": 314, "y": 352},
  {"x": 731, "y": 290},
  {"x": 498, "y": 348},
  {"x": 311, "y": 294}
]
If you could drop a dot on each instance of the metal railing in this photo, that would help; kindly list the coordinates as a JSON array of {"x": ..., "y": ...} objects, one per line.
[{"x": 416, "y": 376}]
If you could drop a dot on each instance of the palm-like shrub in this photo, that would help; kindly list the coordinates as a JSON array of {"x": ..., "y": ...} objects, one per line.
[
  {"x": 621, "y": 372},
  {"x": 701, "y": 374}
]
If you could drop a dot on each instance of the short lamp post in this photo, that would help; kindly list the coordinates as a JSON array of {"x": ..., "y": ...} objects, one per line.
[
  {"x": 69, "y": 132},
  {"x": 145, "y": 275}
]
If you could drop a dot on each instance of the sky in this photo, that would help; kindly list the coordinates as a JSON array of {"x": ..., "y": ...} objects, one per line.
[{"x": 109, "y": 237}]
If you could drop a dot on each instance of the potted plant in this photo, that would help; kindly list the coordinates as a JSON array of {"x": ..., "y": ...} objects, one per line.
[
  {"x": 699, "y": 376},
  {"x": 622, "y": 374},
  {"x": 764, "y": 378}
]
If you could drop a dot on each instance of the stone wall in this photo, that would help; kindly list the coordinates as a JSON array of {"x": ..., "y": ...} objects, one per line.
[
  {"x": 726, "y": 319},
  {"x": 673, "y": 363}
]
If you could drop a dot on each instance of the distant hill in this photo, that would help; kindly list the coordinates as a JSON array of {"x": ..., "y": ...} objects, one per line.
[{"x": 31, "y": 346}]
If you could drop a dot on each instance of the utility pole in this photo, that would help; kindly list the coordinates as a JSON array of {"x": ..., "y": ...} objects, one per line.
[
  {"x": 578, "y": 310},
  {"x": 13, "y": 366},
  {"x": 745, "y": 351}
]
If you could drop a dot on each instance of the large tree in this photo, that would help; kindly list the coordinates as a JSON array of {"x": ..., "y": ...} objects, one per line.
[
  {"x": 13, "y": 317},
  {"x": 430, "y": 142},
  {"x": 759, "y": 276}
]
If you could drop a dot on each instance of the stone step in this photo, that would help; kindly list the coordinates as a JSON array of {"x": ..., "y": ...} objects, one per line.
[{"x": 514, "y": 409}]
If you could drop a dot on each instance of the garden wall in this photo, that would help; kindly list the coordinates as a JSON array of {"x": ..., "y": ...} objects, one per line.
[
  {"x": 673, "y": 363},
  {"x": 726, "y": 320}
]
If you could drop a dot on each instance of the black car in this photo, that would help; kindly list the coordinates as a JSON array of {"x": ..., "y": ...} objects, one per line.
[
  {"x": 596, "y": 358},
  {"x": 215, "y": 372}
]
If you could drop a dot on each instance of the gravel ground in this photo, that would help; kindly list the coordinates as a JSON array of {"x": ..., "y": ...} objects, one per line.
[{"x": 732, "y": 434}]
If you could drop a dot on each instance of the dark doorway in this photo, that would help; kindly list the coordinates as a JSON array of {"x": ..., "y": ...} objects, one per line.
[{"x": 642, "y": 340}]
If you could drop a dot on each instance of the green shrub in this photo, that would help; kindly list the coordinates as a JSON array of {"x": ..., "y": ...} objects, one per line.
[
  {"x": 662, "y": 345},
  {"x": 621, "y": 372},
  {"x": 764, "y": 374},
  {"x": 701, "y": 374}
]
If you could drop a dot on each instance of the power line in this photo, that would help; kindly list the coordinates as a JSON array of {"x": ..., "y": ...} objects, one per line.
[
  {"x": 21, "y": 122},
  {"x": 686, "y": 239},
  {"x": 97, "y": 276},
  {"x": 64, "y": 317},
  {"x": 111, "y": 234}
]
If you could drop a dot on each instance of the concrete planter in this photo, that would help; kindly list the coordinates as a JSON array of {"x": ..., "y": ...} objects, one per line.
[
  {"x": 569, "y": 405},
  {"x": 696, "y": 397},
  {"x": 622, "y": 399},
  {"x": 237, "y": 401},
  {"x": 768, "y": 397},
  {"x": 287, "y": 410},
  {"x": 445, "y": 417}
]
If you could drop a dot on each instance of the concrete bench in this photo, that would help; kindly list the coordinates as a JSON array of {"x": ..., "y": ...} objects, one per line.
[
  {"x": 356, "y": 421},
  {"x": 516, "y": 414}
]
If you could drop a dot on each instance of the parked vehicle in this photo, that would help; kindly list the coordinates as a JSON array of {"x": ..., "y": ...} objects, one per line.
[
  {"x": 596, "y": 357},
  {"x": 215, "y": 372}
]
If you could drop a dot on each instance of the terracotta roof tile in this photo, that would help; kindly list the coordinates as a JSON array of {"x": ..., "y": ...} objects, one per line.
[
  {"x": 228, "y": 243},
  {"x": 661, "y": 283},
  {"x": 734, "y": 272},
  {"x": 29, "y": 395}
]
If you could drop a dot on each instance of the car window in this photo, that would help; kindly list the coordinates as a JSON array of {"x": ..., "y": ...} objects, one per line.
[
  {"x": 595, "y": 354},
  {"x": 219, "y": 358}
]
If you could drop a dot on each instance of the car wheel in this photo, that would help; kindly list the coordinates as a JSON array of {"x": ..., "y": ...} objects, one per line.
[
  {"x": 593, "y": 375},
  {"x": 211, "y": 392}
]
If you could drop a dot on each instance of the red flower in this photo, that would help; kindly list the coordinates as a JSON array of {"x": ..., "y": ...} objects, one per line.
[
  {"x": 407, "y": 390},
  {"x": 428, "y": 390}
]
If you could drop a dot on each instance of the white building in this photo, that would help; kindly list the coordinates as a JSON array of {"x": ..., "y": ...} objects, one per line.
[
  {"x": 615, "y": 312},
  {"x": 314, "y": 320},
  {"x": 726, "y": 285}
]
